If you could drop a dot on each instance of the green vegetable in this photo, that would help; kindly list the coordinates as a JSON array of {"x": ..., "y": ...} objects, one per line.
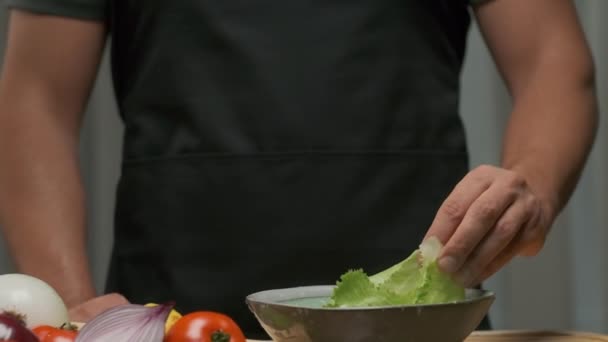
[{"x": 416, "y": 280}]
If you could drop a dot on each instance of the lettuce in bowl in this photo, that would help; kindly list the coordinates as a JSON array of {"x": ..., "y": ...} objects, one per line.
[{"x": 416, "y": 280}]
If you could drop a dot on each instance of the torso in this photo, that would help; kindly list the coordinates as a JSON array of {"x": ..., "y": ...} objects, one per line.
[{"x": 279, "y": 143}]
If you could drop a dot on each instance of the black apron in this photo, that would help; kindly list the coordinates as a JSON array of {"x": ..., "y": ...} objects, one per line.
[{"x": 276, "y": 143}]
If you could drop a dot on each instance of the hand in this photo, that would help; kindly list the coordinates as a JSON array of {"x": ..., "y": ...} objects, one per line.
[
  {"x": 91, "y": 308},
  {"x": 491, "y": 216}
]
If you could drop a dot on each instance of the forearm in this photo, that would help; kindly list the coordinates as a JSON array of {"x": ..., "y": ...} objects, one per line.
[
  {"x": 551, "y": 130},
  {"x": 42, "y": 203},
  {"x": 547, "y": 65}
]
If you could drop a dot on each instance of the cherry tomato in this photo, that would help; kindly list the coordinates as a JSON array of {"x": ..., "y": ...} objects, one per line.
[
  {"x": 205, "y": 326},
  {"x": 46, "y": 333},
  {"x": 42, "y": 331}
]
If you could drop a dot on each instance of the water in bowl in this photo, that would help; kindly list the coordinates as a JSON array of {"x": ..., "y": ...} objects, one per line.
[{"x": 308, "y": 302}]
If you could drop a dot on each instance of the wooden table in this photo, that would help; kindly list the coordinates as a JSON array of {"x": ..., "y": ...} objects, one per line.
[
  {"x": 535, "y": 336},
  {"x": 530, "y": 336}
]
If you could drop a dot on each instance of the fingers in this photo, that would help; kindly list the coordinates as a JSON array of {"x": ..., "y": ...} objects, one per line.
[
  {"x": 479, "y": 220},
  {"x": 534, "y": 235},
  {"x": 503, "y": 258},
  {"x": 88, "y": 310},
  {"x": 491, "y": 248},
  {"x": 490, "y": 217},
  {"x": 453, "y": 210},
  {"x": 528, "y": 241}
]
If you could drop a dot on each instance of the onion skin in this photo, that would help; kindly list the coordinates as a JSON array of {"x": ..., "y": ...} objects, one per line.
[
  {"x": 13, "y": 329},
  {"x": 127, "y": 323}
]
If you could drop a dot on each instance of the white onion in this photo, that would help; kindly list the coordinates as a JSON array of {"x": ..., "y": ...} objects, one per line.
[{"x": 33, "y": 298}]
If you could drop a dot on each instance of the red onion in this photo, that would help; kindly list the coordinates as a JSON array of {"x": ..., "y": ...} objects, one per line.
[
  {"x": 12, "y": 328},
  {"x": 127, "y": 323}
]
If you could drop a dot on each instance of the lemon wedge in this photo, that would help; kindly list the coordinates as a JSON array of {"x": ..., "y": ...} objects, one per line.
[{"x": 174, "y": 316}]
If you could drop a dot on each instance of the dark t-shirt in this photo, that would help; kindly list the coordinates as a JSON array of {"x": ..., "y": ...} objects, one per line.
[
  {"x": 276, "y": 143},
  {"x": 83, "y": 9}
]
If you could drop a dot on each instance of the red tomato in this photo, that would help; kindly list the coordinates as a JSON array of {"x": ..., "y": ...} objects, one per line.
[
  {"x": 46, "y": 333},
  {"x": 61, "y": 335},
  {"x": 205, "y": 326},
  {"x": 42, "y": 331}
]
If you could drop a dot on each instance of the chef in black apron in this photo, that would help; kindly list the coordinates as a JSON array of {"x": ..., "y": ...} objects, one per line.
[{"x": 272, "y": 144}]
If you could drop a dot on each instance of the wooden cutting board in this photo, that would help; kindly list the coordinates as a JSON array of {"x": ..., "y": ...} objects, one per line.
[
  {"x": 529, "y": 336},
  {"x": 535, "y": 336}
]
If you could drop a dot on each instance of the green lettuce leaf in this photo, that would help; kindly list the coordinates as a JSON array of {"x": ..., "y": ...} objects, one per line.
[
  {"x": 438, "y": 287},
  {"x": 414, "y": 281},
  {"x": 356, "y": 289}
]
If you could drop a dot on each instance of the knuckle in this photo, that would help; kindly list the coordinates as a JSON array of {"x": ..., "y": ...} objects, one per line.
[
  {"x": 453, "y": 210},
  {"x": 505, "y": 229},
  {"x": 514, "y": 180},
  {"x": 534, "y": 204},
  {"x": 485, "y": 169},
  {"x": 485, "y": 210},
  {"x": 534, "y": 219},
  {"x": 534, "y": 228},
  {"x": 480, "y": 173},
  {"x": 511, "y": 193}
]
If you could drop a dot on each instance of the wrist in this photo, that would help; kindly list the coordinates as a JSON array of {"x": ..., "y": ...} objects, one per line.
[
  {"x": 73, "y": 286},
  {"x": 79, "y": 290}
]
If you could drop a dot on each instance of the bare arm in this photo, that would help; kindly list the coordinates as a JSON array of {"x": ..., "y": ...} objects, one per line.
[
  {"x": 497, "y": 213},
  {"x": 48, "y": 72},
  {"x": 541, "y": 51}
]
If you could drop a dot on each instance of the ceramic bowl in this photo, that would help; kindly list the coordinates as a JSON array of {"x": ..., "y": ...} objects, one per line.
[{"x": 297, "y": 315}]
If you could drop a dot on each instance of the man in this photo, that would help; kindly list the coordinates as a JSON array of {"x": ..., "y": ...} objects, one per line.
[{"x": 279, "y": 143}]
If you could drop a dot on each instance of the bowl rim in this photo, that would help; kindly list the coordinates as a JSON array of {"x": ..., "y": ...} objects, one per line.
[{"x": 253, "y": 298}]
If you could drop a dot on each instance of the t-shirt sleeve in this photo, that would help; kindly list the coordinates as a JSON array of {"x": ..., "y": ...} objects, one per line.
[
  {"x": 80, "y": 9},
  {"x": 478, "y": 2}
]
